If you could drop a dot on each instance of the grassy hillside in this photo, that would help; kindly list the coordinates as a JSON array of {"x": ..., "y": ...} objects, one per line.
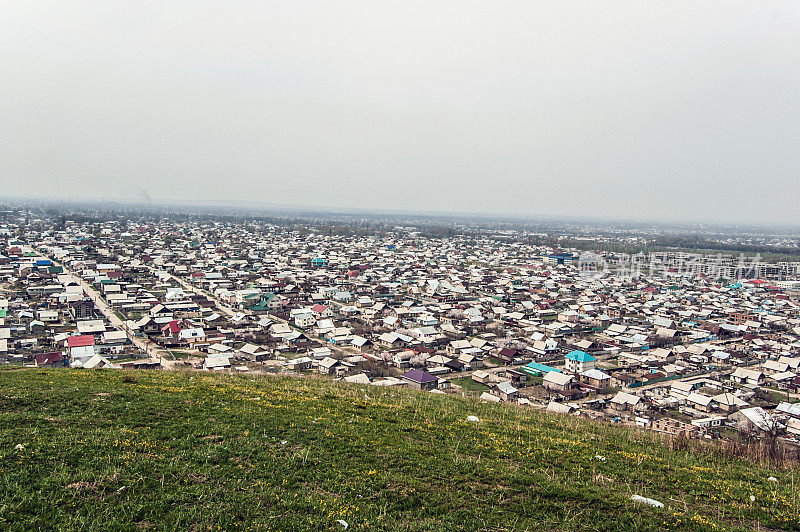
[{"x": 110, "y": 450}]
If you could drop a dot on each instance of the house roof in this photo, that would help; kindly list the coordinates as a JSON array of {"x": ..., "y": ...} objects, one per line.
[
  {"x": 682, "y": 386},
  {"x": 80, "y": 341},
  {"x": 486, "y": 396},
  {"x": 580, "y": 356},
  {"x": 539, "y": 368},
  {"x": 419, "y": 376},
  {"x": 196, "y": 332},
  {"x": 98, "y": 361},
  {"x": 792, "y": 409},
  {"x": 699, "y": 399},
  {"x": 250, "y": 348},
  {"x": 757, "y": 416},
  {"x": 626, "y": 398},
  {"x": 728, "y": 399},
  {"x": 506, "y": 387},
  {"x": 595, "y": 374},
  {"x": 49, "y": 358},
  {"x": 743, "y": 373},
  {"x": 173, "y": 327},
  {"x": 217, "y": 361},
  {"x": 559, "y": 408},
  {"x": 91, "y": 326},
  {"x": 328, "y": 362},
  {"x": 361, "y": 378},
  {"x": 557, "y": 378},
  {"x": 111, "y": 336},
  {"x": 358, "y": 341}
]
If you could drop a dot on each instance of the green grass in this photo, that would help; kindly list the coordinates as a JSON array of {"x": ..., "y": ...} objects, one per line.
[
  {"x": 776, "y": 396},
  {"x": 118, "y": 450},
  {"x": 469, "y": 385}
]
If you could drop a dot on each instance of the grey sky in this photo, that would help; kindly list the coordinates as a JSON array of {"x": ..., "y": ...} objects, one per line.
[{"x": 662, "y": 110}]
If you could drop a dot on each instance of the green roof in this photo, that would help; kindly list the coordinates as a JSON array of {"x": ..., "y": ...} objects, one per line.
[
  {"x": 580, "y": 356},
  {"x": 534, "y": 368}
]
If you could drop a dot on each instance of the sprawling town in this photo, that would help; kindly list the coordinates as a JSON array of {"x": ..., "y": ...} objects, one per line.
[{"x": 688, "y": 344}]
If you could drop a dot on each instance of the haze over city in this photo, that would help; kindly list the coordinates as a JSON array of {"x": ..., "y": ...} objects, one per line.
[{"x": 674, "y": 111}]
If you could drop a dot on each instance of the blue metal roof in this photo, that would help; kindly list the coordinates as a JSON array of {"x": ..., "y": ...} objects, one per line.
[
  {"x": 580, "y": 356},
  {"x": 538, "y": 368}
]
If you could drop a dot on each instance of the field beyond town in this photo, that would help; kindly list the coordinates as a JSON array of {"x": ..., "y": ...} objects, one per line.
[{"x": 111, "y": 450}]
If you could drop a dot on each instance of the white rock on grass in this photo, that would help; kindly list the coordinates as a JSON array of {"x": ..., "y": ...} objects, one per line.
[
  {"x": 343, "y": 523},
  {"x": 473, "y": 419},
  {"x": 651, "y": 502}
]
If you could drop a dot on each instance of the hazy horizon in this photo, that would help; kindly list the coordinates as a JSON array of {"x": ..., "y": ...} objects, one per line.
[{"x": 675, "y": 112}]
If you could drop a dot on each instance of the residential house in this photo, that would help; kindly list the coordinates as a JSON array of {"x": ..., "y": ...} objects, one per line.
[
  {"x": 578, "y": 362},
  {"x": 422, "y": 380}
]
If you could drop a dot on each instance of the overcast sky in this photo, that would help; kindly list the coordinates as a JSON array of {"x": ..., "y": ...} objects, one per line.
[{"x": 659, "y": 110}]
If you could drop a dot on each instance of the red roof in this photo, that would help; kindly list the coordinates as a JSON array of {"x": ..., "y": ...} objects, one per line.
[
  {"x": 80, "y": 341},
  {"x": 43, "y": 359},
  {"x": 173, "y": 327},
  {"x": 319, "y": 309}
]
